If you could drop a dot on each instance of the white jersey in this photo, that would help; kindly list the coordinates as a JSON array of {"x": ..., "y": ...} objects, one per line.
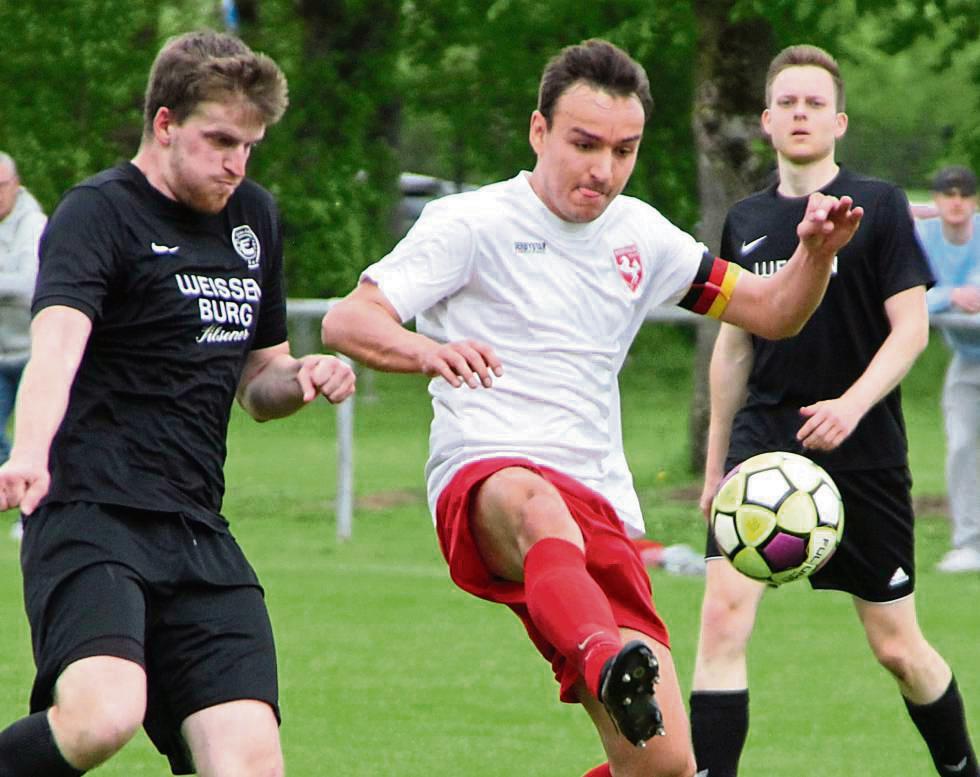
[{"x": 559, "y": 303}]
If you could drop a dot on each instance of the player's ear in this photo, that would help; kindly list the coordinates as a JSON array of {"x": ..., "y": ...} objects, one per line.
[
  {"x": 765, "y": 121},
  {"x": 537, "y": 131},
  {"x": 841, "y": 125},
  {"x": 163, "y": 125}
]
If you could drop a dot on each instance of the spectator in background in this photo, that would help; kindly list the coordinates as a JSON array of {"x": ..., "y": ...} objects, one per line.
[
  {"x": 21, "y": 223},
  {"x": 952, "y": 242}
]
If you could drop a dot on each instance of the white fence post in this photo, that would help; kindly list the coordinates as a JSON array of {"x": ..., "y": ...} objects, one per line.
[{"x": 345, "y": 467}]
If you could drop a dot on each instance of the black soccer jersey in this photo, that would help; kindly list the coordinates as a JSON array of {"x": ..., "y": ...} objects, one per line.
[
  {"x": 847, "y": 329},
  {"x": 177, "y": 299}
]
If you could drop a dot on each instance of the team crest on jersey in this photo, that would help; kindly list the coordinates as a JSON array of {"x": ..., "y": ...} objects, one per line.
[
  {"x": 630, "y": 265},
  {"x": 247, "y": 245}
]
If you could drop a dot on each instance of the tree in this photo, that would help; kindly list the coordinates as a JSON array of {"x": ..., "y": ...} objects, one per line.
[{"x": 331, "y": 161}]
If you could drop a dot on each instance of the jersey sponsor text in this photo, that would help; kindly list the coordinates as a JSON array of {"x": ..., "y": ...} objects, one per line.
[{"x": 222, "y": 301}]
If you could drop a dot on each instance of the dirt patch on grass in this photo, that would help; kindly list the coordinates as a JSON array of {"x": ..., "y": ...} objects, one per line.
[{"x": 385, "y": 500}]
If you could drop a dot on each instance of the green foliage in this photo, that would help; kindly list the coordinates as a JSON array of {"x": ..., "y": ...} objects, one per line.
[
  {"x": 472, "y": 93},
  {"x": 330, "y": 161},
  {"x": 446, "y": 87},
  {"x": 70, "y": 94}
]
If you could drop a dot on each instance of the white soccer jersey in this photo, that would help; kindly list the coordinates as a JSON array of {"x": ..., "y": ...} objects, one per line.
[{"x": 559, "y": 303}]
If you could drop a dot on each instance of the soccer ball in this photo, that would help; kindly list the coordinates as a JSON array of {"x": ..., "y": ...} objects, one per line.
[{"x": 777, "y": 517}]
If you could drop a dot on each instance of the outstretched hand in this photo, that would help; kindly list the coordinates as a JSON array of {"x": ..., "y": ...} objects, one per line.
[
  {"x": 327, "y": 376},
  {"x": 828, "y": 423},
  {"x": 464, "y": 361},
  {"x": 22, "y": 484},
  {"x": 828, "y": 224}
]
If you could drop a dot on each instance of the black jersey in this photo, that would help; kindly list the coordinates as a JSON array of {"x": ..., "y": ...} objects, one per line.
[
  {"x": 177, "y": 299},
  {"x": 847, "y": 329}
]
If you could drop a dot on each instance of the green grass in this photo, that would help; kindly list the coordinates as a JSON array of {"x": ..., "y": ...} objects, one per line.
[{"x": 388, "y": 669}]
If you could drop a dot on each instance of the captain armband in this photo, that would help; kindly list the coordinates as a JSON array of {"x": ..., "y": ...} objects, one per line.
[{"x": 712, "y": 287}]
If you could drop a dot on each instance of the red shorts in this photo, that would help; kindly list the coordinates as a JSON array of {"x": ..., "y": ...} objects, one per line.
[{"x": 611, "y": 558}]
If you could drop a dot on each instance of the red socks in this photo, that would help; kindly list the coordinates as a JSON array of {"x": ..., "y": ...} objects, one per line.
[{"x": 569, "y": 608}]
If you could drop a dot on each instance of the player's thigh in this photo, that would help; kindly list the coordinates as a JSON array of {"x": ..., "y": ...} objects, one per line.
[
  {"x": 514, "y": 508},
  {"x": 668, "y": 756},
  {"x": 235, "y": 739},
  {"x": 211, "y": 645},
  {"x": 98, "y": 611}
]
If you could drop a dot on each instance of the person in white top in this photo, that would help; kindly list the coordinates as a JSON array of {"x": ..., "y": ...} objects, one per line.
[{"x": 526, "y": 296}]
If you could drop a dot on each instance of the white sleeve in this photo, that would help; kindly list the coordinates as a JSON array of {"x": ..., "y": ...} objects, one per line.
[
  {"x": 432, "y": 262},
  {"x": 678, "y": 258}
]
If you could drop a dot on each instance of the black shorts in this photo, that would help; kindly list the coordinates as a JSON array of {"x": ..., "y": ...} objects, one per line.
[
  {"x": 876, "y": 558},
  {"x": 161, "y": 590}
]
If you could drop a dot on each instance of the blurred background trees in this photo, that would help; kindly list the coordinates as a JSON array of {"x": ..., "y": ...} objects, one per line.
[{"x": 445, "y": 87}]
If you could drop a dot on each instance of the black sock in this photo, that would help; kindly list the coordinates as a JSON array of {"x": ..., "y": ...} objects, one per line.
[
  {"x": 719, "y": 726},
  {"x": 943, "y": 727},
  {"x": 27, "y": 749}
]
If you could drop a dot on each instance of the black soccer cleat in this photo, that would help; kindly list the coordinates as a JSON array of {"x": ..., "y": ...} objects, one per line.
[{"x": 626, "y": 689}]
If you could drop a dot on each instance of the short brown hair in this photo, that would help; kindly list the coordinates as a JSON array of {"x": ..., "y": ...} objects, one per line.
[
  {"x": 599, "y": 64},
  {"x": 802, "y": 56},
  {"x": 202, "y": 66}
]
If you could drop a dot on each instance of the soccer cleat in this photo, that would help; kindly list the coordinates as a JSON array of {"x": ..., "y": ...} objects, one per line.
[{"x": 626, "y": 689}]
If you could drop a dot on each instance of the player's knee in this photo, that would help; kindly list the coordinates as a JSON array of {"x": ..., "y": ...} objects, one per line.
[
  {"x": 726, "y": 624},
  {"x": 256, "y": 761},
  {"x": 896, "y": 657},
  {"x": 90, "y": 735}
]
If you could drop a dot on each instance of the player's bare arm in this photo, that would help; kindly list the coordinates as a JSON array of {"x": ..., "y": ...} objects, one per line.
[
  {"x": 274, "y": 384},
  {"x": 58, "y": 338},
  {"x": 728, "y": 376},
  {"x": 830, "y": 422},
  {"x": 366, "y": 326},
  {"x": 779, "y": 306}
]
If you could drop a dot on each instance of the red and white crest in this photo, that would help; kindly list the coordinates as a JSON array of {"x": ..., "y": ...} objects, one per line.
[{"x": 630, "y": 265}]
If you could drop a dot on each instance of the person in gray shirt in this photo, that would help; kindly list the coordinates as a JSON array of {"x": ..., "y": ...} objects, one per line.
[{"x": 21, "y": 224}]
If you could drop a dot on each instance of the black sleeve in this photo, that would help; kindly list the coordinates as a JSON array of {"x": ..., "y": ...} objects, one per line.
[
  {"x": 728, "y": 251},
  {"x": 902, "y": 264},
  {"x": 271, "y": 328},
  {"x": 78, "y": 254}
]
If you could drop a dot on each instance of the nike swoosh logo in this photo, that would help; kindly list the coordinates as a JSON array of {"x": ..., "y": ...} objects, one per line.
[
  {"x": 702, "y": 773},
  {"x": 162, "y": 250},
  {"x": 581, "y": 645},
  {"x": 748, "y": 248},
  {"x": 958, "y": 767}
]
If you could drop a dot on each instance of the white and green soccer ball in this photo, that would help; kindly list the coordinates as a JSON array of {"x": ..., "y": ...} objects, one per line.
[{"x": 777, "y": 517}]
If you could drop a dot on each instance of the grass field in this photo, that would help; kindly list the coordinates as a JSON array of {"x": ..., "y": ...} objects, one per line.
[{"x": 387, "y": 669}]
